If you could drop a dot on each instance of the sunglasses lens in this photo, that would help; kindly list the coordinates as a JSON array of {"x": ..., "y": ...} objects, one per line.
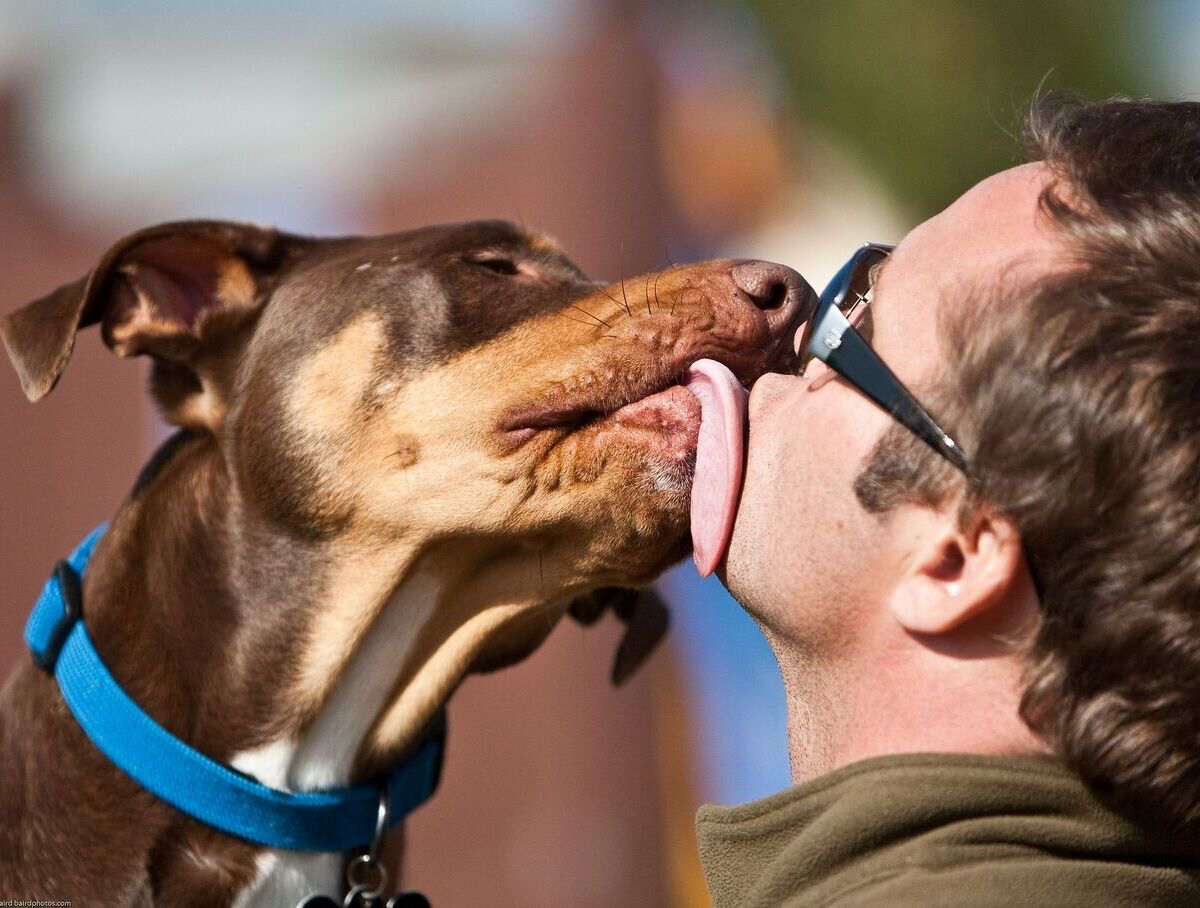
[
  {"x": 859, "y": 288},
  {"x": 850, "y": 287}
]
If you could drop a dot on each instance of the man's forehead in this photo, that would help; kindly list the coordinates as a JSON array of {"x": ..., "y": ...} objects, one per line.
[
  {"x": 992, "y": 233},
  {"x": 994, "y": 224}
]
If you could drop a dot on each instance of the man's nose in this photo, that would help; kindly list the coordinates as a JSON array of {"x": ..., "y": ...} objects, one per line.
[{"x": 779, "y": 291}]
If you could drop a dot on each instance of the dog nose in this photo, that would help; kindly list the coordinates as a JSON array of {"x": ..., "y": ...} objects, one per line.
[{"x": 776, "y": 289}]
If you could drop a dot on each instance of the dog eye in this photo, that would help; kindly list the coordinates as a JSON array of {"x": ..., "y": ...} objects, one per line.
[{"x": 498, "y": 264}]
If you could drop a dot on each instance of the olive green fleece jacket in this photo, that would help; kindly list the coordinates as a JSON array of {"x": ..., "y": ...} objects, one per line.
[{"x": 932, "y": 830}]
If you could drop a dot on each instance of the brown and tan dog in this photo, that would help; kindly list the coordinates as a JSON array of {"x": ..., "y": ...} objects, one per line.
[{"x": 404, "y": 457}]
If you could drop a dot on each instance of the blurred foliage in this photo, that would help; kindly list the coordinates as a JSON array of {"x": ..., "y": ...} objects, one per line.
[{"x": 929, "y": 94}]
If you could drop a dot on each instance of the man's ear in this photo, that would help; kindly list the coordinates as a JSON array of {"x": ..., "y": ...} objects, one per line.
[
  {"x": 956, "y": 572},
  {"x": 170, "y": 291}
]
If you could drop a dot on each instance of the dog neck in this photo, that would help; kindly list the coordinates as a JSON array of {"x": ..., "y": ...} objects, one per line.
[
  {"x": 307, "y": 663},
  {"x": 276, "y": 652},
  {"x": 215, "y": 644},
  {"x": 324, "y": 752}
]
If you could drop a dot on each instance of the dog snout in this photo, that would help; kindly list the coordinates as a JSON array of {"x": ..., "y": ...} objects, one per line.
[{"x": 779, "y": 291}]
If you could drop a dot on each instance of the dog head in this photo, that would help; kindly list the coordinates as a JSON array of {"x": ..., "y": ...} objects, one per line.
[{"x": 463, "y": 395}]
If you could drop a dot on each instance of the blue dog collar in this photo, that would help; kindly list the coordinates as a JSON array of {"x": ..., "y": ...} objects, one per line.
[{"x": 339, "y": 819}]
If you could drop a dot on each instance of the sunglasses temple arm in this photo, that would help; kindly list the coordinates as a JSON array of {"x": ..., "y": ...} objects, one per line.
[{"x": 854, "y": 359}]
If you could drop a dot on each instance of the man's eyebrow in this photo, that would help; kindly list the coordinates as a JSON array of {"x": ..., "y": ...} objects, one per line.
[
  {"x": 876, "y": 277},
  {"x": 878, "y": 269}
]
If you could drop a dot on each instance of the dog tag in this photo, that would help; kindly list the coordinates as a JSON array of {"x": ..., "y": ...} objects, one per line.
[
  {"x": 319, "y": 901},
  {"x": 411, "y": 899}
]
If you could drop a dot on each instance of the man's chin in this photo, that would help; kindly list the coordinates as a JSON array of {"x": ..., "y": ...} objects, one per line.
[
  {"x": 727, "y": 570},
  {"x": 720, "y": 572},
  {"x": 742, "y": 569},
  {"x": 738, "y": 577}
]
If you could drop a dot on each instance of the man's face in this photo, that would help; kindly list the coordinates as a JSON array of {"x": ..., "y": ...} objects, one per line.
[{"x": 805, "y": 558}]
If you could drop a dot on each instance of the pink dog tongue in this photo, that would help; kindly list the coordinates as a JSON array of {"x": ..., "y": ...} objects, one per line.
[{"x": 718, "y": 460}]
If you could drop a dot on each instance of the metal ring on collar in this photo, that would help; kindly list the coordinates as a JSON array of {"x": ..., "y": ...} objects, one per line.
[
  {"x": 381, "y": 822},
  {"x": 367, "y": 878}
]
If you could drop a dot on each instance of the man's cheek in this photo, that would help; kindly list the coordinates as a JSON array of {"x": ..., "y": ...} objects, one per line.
[
  {"x": 767, "y": 455},
  {"x": 770, "y": 459},
  {"x": 767, "y": 392}
]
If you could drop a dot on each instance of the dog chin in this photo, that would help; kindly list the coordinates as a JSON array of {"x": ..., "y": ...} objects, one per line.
[
  {"x": 657, "y": 435},
  {"x": 651, "y": 518},
  {"x": 665, "y": 427}
]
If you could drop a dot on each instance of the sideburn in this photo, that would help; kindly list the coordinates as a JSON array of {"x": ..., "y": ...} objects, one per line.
[{"x": 901, "y": 469}]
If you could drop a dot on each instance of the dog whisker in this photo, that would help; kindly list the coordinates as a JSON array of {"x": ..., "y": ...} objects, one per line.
[
  {"x": 616, "y": 301},
  {"x": 619, "y": 303},
  {"x": 671, "y": 266},
  {"x": 679, "y": 296},
  {"x": 589, "y": 315},
  {"x": 577, "y": 321}
]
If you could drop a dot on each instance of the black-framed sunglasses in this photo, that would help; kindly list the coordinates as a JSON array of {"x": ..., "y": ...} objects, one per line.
[{"x": 830, "y": 337}]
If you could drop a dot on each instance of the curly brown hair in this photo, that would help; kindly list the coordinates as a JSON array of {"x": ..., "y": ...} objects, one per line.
[{"x": 1079, "y": 397}]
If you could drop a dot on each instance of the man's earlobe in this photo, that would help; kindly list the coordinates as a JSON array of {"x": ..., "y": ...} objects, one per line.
[{"x": 956, "y": 573}]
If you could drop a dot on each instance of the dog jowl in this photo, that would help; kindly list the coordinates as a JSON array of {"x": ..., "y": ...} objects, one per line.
[{"x": 400, "y": 460}]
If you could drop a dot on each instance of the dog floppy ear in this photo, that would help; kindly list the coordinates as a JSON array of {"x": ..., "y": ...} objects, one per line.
[
  {"x": 40, "y": 337},
  {"x": 646, "y": 620},
  {"x": 165, "y": 291}
]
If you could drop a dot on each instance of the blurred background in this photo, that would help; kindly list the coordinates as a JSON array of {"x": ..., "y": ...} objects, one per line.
[{"x": 637, "y": 133}]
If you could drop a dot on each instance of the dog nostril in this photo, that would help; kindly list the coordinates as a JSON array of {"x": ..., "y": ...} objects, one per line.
[
  {"x": 776, "y": 297},
  {"x": 766, "y": 283}
]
